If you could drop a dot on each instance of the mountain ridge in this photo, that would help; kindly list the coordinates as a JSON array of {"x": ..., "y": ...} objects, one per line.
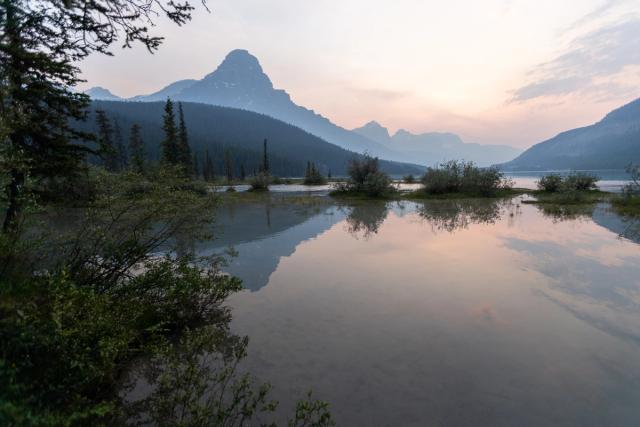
[
  {"x": 240, "y": 82},
  {"x": 611, "y": 143},
  {"x": 430, "y": 148}
]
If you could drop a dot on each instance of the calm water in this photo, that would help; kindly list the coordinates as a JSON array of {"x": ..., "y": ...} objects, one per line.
[{"x": 443, "y": 313}]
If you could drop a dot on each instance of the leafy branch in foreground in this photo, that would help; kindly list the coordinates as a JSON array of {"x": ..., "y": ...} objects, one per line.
[
  {"x": 82, "y": 308},
  {"x": 197, "y": 382},
  {"x": 40, "y": 42}
]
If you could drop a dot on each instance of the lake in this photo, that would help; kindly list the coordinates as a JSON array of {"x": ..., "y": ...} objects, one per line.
[{"x": 452, "y": 313}]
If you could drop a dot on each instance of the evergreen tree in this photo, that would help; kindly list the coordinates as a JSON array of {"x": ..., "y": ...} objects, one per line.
[
  {"x": 40, "y": 41},
  {"x": 106, "y": 149},
  {"x": 228, "y": 165},
  {"x": 122, "y": 160},
  {"x": 35, "y": 103},
  {"x": 243, "y": 173},
  {"x": 265, "y": 158},
  {"x": 196, "y": 166},
  {"x": 313, "y": 176},
  {"x": 170, "y": 143},
  {"x": 136, "y": 149},
  {"x": 183, "y": 149},
  {"x": 208, "y": 170}
]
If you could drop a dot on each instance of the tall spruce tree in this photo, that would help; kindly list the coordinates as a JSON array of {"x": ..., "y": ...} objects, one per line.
[
  {"x": 228, "y": 165},
  {"x": 136, "y": 149},
  {"x": 266, "y": 168},
  {"x": 208, "y": 171},
  {"x": 196, "y": 166},
  {"x": 40, "y": 41},
  {"x": 122, "y": 159},
  {"x": 106, "y": 148},
  {"x": 170, "y": 142},
  {"x": 183, "y": 149}
]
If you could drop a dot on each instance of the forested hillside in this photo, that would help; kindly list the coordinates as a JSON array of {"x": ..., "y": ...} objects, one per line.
[{"x": 241, "y": 133}]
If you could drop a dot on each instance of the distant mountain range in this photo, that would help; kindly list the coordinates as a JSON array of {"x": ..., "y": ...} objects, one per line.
[
  {"x": 434, "y": 147},
  {"x": 612, "y": 143},
  {"x": 240, "y": 82},
  {"x": 216, "y": 129}
]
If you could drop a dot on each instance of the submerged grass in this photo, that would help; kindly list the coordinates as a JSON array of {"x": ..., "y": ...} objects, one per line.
[
  {"x": 569, "y": 197},
  {"x": 628, "y": 206},
  {"x": 498, "y": 194}
]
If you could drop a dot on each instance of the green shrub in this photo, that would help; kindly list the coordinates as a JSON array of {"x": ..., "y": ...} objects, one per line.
[
  {"x": 81, "y": 326},
  {"x": 464, "y": 177},
  {"x": 409, "y": 179},
  {"x": 260, "y": 181},
  {"x": 574, "y": 181},
  {"x": 580, "y": 181},
  {"x": 632, "y": 189},
  {"x": 365, "y": 177},
  {"x": 313, "y": 176},
  {"x": 550, "y": 183}
]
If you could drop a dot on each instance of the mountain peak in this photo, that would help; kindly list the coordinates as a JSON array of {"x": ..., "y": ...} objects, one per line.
[
  {"x": 100, "y": 93},
  {"x": 374, "y": 131},
  {"x": 240, "y": 68}
]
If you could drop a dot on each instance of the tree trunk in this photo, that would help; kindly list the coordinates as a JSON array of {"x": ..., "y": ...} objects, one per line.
[{"x": 14, "y": 192}]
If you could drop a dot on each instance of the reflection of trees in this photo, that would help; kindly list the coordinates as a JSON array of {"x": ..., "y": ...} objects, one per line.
[
  {"x": 196, "y": 381},
  {"x": 452, "y": 215},
  {"x": 365, "y": 219},
  {"x": 632, "y": 229},
  {"x": 559, "y": 212}
]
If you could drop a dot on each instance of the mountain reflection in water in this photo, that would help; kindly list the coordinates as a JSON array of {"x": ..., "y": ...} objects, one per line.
[{"x": 453, "y": 312}]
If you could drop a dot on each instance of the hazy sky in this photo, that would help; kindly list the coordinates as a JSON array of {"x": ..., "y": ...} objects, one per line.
[{"x": 493, "y": 71}]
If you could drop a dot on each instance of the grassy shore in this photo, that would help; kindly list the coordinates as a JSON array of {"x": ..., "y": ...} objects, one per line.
[
  {"x": 627, "y": 206},
  {"x": 570, "y": 197}
]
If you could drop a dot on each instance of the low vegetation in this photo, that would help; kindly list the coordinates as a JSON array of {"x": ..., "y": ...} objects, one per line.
[
  {"x": 464, "y": 178},
  {"x": 574, "y": 181},
  {"x": 365, "y": 179},
  {"x": 409, "y": 179},
  {"x": 260, "y": 181},
  {"x": 572, "y": 189},
  {"x": 629, "y": 202},
  {"x": 88, "y": 303},
  {"x": 312, "y": 175}
]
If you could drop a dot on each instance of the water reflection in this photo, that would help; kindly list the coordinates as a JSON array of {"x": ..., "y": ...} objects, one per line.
[
  {"x": 365, "y": 218},
  {"x": 263, "y": 232},
  {"x": 452, "y": 215},
  {"x": 559, "y": 213},
  {"x": 625, "y": 226},
  {"x": 506, "y": 315}
]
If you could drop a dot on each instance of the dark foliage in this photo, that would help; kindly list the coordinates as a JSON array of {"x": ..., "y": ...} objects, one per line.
[
  {"x": 243, "y": 132},
  {"x": 312, "y": 175},
  {"x": 365, "y": 177},
  {"x": 464, "y": 177}
]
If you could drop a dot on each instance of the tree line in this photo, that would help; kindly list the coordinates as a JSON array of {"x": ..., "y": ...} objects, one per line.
[{"x": 175, "y": 150}]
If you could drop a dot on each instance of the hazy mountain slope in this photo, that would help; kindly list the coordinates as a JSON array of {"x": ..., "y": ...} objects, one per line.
[
  {"x": 214, "y": 128},
  {"x": 612, "y": 143},
  {"x": 434, "y": 147},
  {"x": 101, "y": 94},
  {"x": 166, "y": 92},
  {"x": 240, "y": 82}
]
